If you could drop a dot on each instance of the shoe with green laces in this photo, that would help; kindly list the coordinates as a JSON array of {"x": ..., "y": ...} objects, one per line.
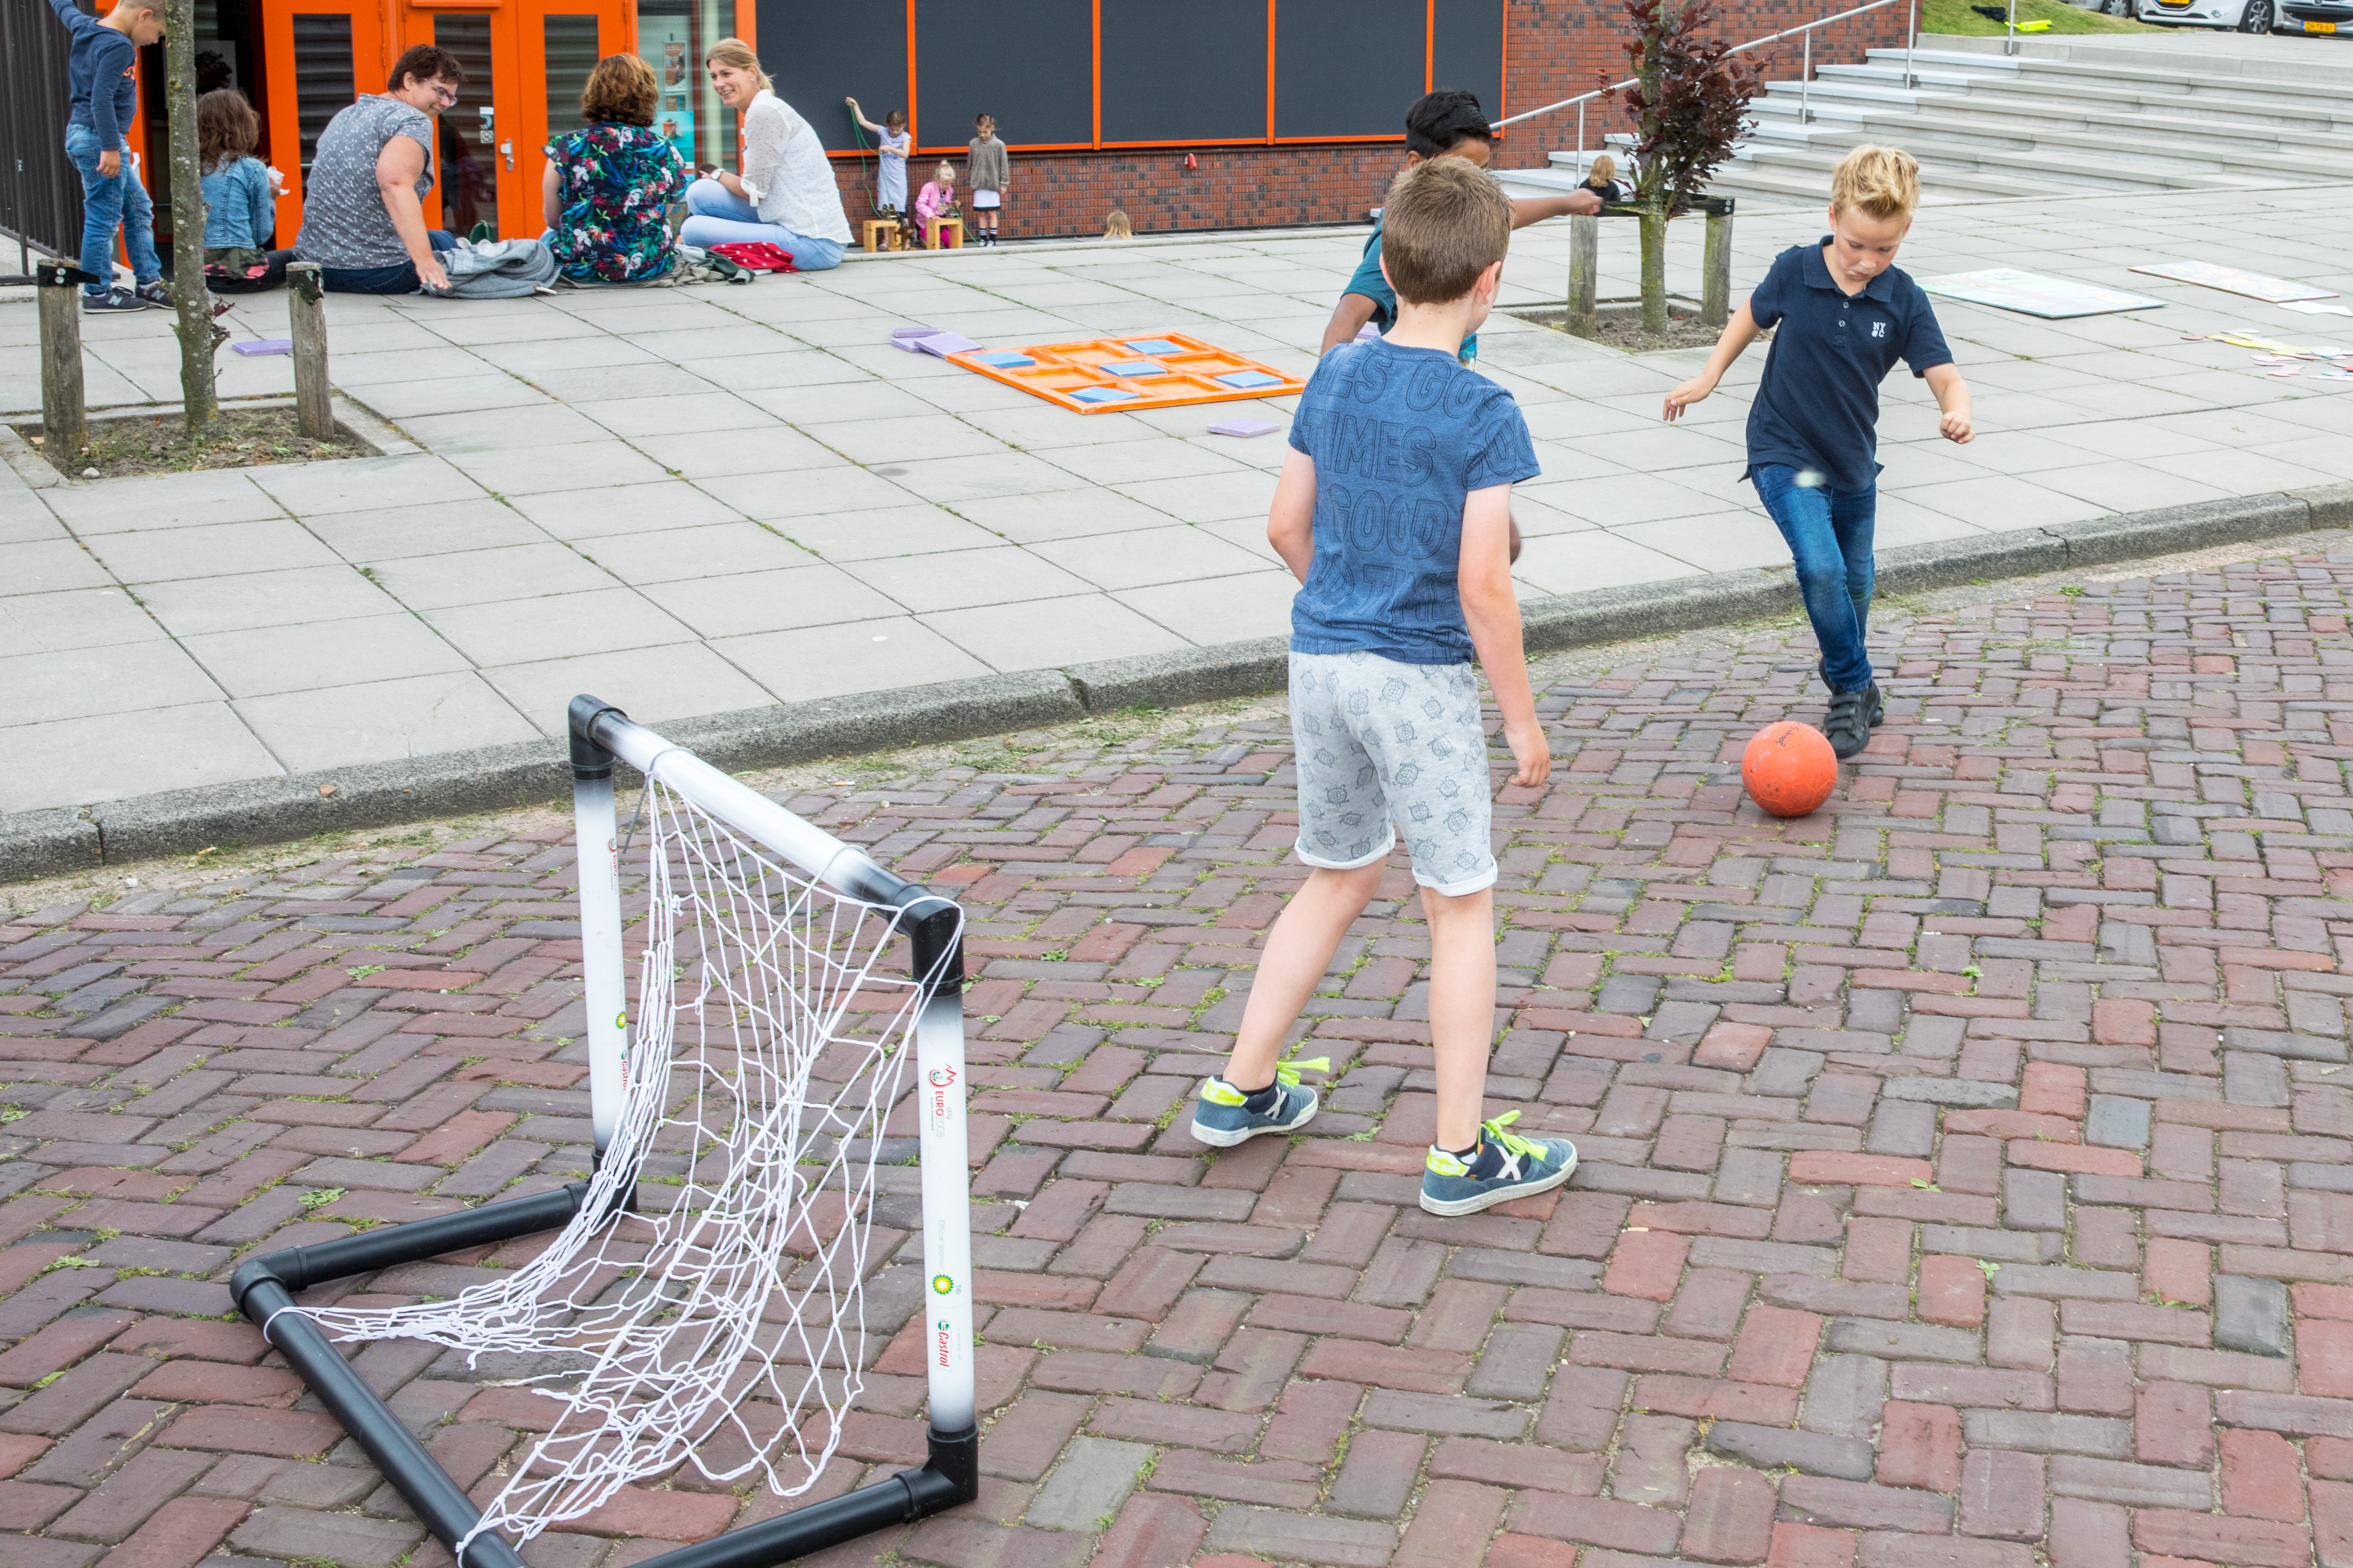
[
  {"x": 1226, "y": 1116},
  {"x": 1504, "y": 1167}
]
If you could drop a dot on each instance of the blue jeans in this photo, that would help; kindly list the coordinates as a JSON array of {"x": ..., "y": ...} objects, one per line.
[
  {"x": 108, "y": 203},
  {"x": 720, "y": 216},
  {"x": 1829, "y": 538},
  {"x": 398, "y": 278}
]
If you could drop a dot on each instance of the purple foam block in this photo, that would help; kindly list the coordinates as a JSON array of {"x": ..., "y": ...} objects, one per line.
[
  {"x": 1243, "y": 428},
  {"x": 945, "y": 343},
  {"x": 906, "y": 337},
  {"x": 265, "y": 346}
]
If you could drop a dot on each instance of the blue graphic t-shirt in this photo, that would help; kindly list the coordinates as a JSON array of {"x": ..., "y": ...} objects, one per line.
[{"x": 1400, "y": 437}]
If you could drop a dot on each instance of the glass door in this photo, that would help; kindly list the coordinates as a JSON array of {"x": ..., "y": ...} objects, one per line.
[
  {"x": 474, "y": 142},
  {"x": 318, "y": 56},
  {"x": 672, "y": 37},
  {"x": 561, "y": 40}
]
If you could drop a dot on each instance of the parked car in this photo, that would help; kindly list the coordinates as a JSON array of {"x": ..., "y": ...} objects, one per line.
[
  {"x": 2244, "y": 15},
  {"x": 2317, "y": 15}
]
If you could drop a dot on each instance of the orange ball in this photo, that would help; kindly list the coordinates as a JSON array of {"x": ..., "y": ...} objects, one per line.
[{"x": 1788, "y": 769}]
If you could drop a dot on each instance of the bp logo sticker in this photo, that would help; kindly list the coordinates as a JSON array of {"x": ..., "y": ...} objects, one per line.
[
  {"x": 620, "y": 1020},
  {"x": 941, "y": 1076},
  {"x": 942, "y": 1284}
]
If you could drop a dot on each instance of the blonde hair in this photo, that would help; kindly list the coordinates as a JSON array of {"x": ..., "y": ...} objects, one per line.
[
  {"x": 737, "y": 53},
  {"x": 1117, "y": 226},
  {"x": 1445, "y": 222},
  {"x": 1883, "y": 183},
  {"x": 1604, "y": 167},
  {"x": 945, "y": 172}
]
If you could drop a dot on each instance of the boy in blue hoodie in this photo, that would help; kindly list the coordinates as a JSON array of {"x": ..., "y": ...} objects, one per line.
[{"x": 103, "y": 69}]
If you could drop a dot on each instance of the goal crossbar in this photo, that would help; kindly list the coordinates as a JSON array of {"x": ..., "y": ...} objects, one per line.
[{"x": 264, "y": 1288}]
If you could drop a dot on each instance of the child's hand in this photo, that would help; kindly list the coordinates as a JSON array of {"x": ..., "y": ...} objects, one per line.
[
  {"x": 1688, "y": 392},
  {"x": 1954, "y": 426},
  {"x": 1531, "y": 751}
]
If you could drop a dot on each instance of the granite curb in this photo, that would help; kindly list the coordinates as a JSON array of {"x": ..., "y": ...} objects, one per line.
[{"x": 272, "y": 810}]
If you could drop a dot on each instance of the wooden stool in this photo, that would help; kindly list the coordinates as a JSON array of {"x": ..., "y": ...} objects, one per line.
[
  {"x": 936, "y": 230},
  {"x": 881, "y": 234}
]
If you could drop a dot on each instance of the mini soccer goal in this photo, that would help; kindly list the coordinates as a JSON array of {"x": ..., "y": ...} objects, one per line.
[{"x": 797, "y": 1035}]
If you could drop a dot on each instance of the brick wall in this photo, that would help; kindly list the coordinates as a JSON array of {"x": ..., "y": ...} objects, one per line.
[{"x": 1556, "y": 48}]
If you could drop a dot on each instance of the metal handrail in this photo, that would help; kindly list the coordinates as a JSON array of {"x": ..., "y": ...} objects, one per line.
[{"x": 1911, "y": 39}]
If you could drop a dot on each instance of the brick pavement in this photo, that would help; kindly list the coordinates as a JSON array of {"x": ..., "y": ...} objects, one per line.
[{"x": 1966, "y": 1171}]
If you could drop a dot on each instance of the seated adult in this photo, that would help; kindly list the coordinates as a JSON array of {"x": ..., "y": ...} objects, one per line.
[
  {"x": 364, "y": 200},
  {"x": 1601, "y": 179},
  {"x": 607, "y": 184},
  {"x": 785, "y": 195}
]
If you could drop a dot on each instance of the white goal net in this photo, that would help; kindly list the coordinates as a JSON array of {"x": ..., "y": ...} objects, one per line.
[{"x": 718, "y": 1323}]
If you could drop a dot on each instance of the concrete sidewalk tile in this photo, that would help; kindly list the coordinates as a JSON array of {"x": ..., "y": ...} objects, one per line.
[
  {"x": 1204, "y": 498},
  {"x": 952, "y": 479},
  {"x": 328, "y": 727},
  {"x": 479, "y": 577},
  {"x": 1044, "y": 633},
  {"x": 47, "y": 565},
  {"x": 554, "y": 626},
  {"x": 398, "y": 400},
  {"x": 773, "y": 497},
  {"x": 2001, "y": 503},
  {"x": 679, "y": 413},
  {"x": 1711, "y": 543},
  {"x": 772, "y": 448},
  {"x": 75, "y": 617},
  {"x": 831, "y": 402},
  {"x": 1148, "y": 558},
  {"x": 1571, "y": 562},
  {"x": 213, "y": 550},
  {"x": 891, "y": 442},
  {"x": 397, "y": 532},
  {"x": 786, "y": 600},
  {"x": 584, "y": 516},
  {"x": 1128, "y": 463},
  {"x": 270, "y": 659},
  {"x": 1067, "y": 514},
  {"x": 525, "y": 429},
  {"x": 365, "y": 484},
  {"x": 266, "y": 599},
  {"x": 41, "y": 687},
  {"x": 2127, "y": 487},
  {"x": 883, "y": 531},
  {"x": 1217, "y": 610},
  {"x": 72, "y": 762},
  {"x": 857, "y": 655},
  {"x": 526, "y": 472},
  {"x": 162, "y": 500},
  {"x": 682, "y": 680},
  {"x": 956, "y": 579},
  {"x": 717, "y": 550},
  {"x": 1613, "y": 500}
]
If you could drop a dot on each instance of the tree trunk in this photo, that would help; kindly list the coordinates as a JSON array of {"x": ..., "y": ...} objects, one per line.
[
  {"x": 195, "y": 331},
  {"x": 1654, "y": 265}
]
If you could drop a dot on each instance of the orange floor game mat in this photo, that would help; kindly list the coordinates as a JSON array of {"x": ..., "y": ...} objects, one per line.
[{"x": 1147, "y": 370}]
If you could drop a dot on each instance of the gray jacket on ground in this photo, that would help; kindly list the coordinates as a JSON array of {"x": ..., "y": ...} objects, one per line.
[{"x": 496, "y": 269}]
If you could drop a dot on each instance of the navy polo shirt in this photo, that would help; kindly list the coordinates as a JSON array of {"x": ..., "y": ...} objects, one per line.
[{"x": 1818, "y": 406}]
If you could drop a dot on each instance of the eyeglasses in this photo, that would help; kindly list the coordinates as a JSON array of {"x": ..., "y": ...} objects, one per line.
[{"x": 443, "y": 93}]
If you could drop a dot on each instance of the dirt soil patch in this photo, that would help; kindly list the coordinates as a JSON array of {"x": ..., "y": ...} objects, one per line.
[
  {"x": 1626, "y": 333},
  {"x": 158, "y": 444}
]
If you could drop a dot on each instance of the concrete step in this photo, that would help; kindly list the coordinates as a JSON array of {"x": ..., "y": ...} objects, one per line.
[
  {"x": 2079, "y": 115},
  {"x": 2182, "y": 86},
  {"x": 1981, "y": 181}
]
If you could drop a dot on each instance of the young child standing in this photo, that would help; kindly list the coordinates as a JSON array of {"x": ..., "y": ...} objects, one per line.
[
  {"x": 1393, "y": 511},
  {"x": 1846, "y": 314},
  {"x": 990, "y": 172},
  {"x": 892, "y": 143},
  {"x": 102, "y": 66}
]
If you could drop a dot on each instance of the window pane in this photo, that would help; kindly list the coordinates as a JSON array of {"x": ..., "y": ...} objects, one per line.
[
  {"x": 470, "y": 131},
  {"x": 672, "y": 35},
  {"x": 571, "y": 56},
  {"x": 323, "y": 86}
]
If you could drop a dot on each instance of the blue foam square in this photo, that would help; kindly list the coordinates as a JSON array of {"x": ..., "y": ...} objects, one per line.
[
  {"x": 1103, "y": 393},
  {"x": 1133, "y": 367},
  {"x": 1003, "y": 361},
  {"x": 1154, "y": 346},
  {"x": 1247, "y": 378}
]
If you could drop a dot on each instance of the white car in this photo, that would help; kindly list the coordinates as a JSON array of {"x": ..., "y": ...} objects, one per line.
[{"x": 2241, "y": 16}]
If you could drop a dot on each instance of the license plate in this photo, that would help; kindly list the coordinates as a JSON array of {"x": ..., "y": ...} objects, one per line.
[{"x": 2320, "y": 27}]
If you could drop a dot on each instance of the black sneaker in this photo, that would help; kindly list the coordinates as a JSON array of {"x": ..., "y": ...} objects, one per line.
[
  {"x": 112, "y": 300},
  {"x": 157, "y": 294},
  {"x": 1847, "y": 723},
  {"x": 1874, "y": 706}
]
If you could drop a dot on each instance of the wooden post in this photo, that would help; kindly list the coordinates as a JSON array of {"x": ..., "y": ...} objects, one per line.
[
  {"x": 64, "y": 422},
  {"x": 306, "y": 313},
  {"x": 1715, "y": 265},
  {"x": 1584, "y": 265}
]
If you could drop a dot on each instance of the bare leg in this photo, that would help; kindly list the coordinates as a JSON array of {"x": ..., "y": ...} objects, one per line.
[
  {"x": 1298, "y": 950},
  {"x": 1462, "y": 1007}
]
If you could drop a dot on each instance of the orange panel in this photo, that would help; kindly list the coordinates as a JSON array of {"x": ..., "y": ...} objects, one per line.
[{"x": 1139, "y": 370}]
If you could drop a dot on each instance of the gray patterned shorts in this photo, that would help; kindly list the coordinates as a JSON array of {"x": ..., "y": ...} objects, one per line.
[{"x": 1383, "y": 746}]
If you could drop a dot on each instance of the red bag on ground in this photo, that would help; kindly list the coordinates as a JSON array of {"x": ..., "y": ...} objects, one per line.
[{"x": 757, "y": 255}]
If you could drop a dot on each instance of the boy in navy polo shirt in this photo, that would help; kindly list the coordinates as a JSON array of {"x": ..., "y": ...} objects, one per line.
[
  {"x": 1393, "y": 511},
  {"x": 1846, "y": 314}
]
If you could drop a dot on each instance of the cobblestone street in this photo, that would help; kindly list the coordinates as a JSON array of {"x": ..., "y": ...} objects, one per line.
[{"x": 1967, "y": 1182}]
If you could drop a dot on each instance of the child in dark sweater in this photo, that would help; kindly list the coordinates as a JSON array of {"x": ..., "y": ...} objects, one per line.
[{"x": 104, "y": 70}]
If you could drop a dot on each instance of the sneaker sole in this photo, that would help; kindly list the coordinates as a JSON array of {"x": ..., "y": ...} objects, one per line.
[
  {"x": 1452, "y": 1207},
  {"x": 1219, "y": 1138}
]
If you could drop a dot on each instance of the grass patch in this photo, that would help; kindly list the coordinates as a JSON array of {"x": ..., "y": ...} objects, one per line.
[{"x": 1955, "y": 17}]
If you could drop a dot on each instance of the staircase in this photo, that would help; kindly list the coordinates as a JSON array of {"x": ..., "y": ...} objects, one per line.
[{"x": 2162, "y": 114}]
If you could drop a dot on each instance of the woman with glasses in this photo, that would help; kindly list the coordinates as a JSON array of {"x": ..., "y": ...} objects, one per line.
[{"x": 363, "y": 199}]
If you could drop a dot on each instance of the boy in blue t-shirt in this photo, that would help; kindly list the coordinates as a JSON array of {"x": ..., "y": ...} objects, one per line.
[
  {"x": 1393, "y": 511},
  {"x": 103, "y": 69},
  {"x": 1846, "y": 314},
  {"x": 1448, "y": 123}
]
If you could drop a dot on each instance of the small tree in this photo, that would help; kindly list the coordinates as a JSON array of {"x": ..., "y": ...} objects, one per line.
[
  {"x": 198, "y": 340},
  {"x": 1690, "y": 101}
]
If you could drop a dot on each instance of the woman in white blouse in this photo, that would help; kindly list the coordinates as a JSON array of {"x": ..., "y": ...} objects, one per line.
[{"x": 785, "y": 196}]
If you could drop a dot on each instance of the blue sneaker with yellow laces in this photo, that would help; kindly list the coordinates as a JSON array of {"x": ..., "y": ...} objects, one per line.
[
  {"x": 1503, "y": 1167},
  {"x": 1226, "y": 1116}
]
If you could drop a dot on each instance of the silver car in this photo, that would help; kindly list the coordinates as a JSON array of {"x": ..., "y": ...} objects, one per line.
[{"x": 2242, "y": 16}]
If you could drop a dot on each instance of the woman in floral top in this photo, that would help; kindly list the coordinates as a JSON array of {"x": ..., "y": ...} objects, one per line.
[{"x": 606, "y": 185}]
